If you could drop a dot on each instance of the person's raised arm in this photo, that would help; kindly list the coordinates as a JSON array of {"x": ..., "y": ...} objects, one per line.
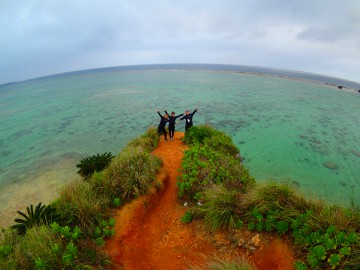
[
  {"x": 195, "y": 111},
  {"x": 157, "y": 110}
]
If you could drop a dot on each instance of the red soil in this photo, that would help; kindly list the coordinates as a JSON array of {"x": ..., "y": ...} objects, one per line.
[
  {"x": 150, "y": 235},
  {"x": 277, "y": 256}
]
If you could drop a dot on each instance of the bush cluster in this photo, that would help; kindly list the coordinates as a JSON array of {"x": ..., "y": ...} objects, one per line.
[
  {"x": 212, "y": 158},
  {"x": 327, "y": 237},
  {"x": 325, "y": 241},
  {"x": 68, "y": 233}
]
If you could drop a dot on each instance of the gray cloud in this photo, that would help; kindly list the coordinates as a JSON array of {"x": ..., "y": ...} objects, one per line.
[{"x": 44, "y": 37}]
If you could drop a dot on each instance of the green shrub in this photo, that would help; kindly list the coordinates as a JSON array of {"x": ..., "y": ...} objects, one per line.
[
  {"x": 5, "y": 251},
  {"x": 95, "y": 163},
  {"x": 239, "y": 224},
  {"x": 202, "y": 167},
  {"x": 282, "y": 227},
  {"x": 211, "y": 137},
  {"x": 187, "y": 218},
  {"x": 211, "y": 159},
  {"x": 222, "y": 143},
  {"x": 66, "y": 232},
  {"x": 105, "y": 229},
  {"x": 78, "y": 251},
  {"x": 325, "y": 248},
  {"x": 299, "y": 265},
  {"x": 326, "y": 241},
  {"x": 41, "y": 215},
  {"x": 116, "y": 202},
  {"x": 197, "y": 134}
]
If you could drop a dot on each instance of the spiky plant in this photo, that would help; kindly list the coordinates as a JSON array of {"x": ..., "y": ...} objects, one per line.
[
  {"x": 94, "y": 163},
  {"x": 41, "y": 215},
  {"x": 220, "y": 264},
  {"x": 219, "y": 208}
]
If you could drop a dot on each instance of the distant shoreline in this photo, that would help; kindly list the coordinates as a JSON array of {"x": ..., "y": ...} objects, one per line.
[
  {"x": 278, "y": 76},
  {"x": 264, "y": 71}
]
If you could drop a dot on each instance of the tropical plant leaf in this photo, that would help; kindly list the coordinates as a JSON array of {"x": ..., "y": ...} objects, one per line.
[
  {"x": 24, "y": 215},
  {"x": 42, "y": 215},
  {"x": 95, "y": 163},
  {"x": 18, "y": 220}
]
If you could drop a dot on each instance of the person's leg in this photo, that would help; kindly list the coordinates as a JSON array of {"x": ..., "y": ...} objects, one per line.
[
  {"x": 165, "y": 134},
  {"x": 171, "y": 131}
]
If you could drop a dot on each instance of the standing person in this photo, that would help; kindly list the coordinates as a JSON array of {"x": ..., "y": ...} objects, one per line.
[
  {"x": 172, "y": 120},
  {"x": 161, "y": 128},
  {"x": 188, "y": 118}
]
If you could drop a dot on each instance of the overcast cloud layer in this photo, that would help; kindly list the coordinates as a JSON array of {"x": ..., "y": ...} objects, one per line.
[{"x": 43, "y": 37}]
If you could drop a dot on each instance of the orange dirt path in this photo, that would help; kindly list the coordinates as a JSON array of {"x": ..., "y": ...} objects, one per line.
[{"x": 149, "y": 233}]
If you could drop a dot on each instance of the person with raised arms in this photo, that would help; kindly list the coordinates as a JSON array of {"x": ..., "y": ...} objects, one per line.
[
  {"x": 163, "y": 121},
  {"x": 188, "y": 118},
  {"x": 172, "y": 122}
]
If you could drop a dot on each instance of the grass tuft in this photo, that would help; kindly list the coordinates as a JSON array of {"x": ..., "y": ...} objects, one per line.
[
  {"x": 219, "y": 264},
  {"x": 79, "y": 204},
  {"x": 219, "y": 207},
  {"x": 275, "y": 196},
  {"x": 133, "y": 172}
]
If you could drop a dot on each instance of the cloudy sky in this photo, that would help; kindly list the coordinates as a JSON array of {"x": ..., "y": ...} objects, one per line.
[{"x": 43, "y": 37}]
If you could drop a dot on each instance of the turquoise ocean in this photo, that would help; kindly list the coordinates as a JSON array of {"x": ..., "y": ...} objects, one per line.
[{"x": 289, "y": 126}]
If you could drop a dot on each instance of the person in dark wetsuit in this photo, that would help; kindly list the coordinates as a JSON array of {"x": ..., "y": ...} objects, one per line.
[
  {"x": 172, "y": 120},
  {"x": 188, "y": 118},
  {"x": 162, "y": 124}
]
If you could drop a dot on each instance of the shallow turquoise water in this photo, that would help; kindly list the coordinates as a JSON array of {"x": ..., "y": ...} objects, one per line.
[{"x": 286, "y": 129}]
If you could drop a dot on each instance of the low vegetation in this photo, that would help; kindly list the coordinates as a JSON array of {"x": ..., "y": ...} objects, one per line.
[
  {"x": 322, "y": 240},
  {"x": 69, "y": 233},
  {"x": 211, "y": 159},
  {"x": 225, "y": 195}
]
